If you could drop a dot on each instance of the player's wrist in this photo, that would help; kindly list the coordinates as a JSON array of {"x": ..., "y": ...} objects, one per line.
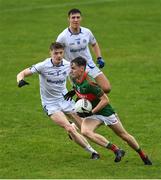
[
  {"x": 93, "y": 112},
  {"x": 100, "y": 62},
  {"x": 19, "y": 77}
]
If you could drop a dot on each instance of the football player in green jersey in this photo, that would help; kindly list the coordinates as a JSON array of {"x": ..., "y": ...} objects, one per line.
[{"x": 102, "y": 112}]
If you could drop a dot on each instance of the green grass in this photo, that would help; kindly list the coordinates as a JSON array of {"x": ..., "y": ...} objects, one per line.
[{"x": 128, "y": 31}]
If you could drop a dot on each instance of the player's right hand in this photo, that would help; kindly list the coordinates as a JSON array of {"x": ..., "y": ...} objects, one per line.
[
  {"x": 69, "y": 95},
  {"x": 22, "y": 83}
]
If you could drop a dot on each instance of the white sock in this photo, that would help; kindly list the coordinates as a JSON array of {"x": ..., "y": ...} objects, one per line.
[{"x": 90, "y": 149}]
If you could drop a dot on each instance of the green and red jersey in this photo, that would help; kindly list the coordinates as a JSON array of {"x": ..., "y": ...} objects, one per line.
[{"x": 88, "y": 89}]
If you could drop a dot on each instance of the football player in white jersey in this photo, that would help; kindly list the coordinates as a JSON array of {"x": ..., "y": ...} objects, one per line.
[
  {"x": 76, "y": 39},
  {"x": 53, "y": 73}
]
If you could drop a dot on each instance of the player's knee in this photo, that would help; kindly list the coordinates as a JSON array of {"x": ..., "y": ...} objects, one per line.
[
  {"x": 107, "y": 88},
  {"x": 86, "y": 132},
  {"x": 70, "y": 129}
]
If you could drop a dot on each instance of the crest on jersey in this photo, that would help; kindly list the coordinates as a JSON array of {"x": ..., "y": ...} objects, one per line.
[
  {"x": 64, "y": 73},
  {"x": 84, "y": 40},
  {"x": 58, "y": 72}
]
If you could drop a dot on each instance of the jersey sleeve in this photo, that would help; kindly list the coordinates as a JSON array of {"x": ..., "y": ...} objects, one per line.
[
  {"x": 92, "y": 39},
  {"x": 37, "y": 68}
]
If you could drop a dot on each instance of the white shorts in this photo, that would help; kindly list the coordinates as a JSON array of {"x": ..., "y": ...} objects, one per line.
[
  {"x": 107, "y": 120},
  {"x": 93, "y": 70},
  {"x": 61, "y": 105}
]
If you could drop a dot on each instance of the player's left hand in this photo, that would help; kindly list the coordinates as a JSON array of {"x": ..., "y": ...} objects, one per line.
[
  {"x": 100, "y": 62},
  {"x": 22, "y": 83},
  {"x": 69, "y": 95}
]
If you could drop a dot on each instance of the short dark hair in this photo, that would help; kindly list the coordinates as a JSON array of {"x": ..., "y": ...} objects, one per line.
[
  {"x": 56, "y": 45},
  {"x": 79, "y": 61},
  {"x": 74, "y": 11}
]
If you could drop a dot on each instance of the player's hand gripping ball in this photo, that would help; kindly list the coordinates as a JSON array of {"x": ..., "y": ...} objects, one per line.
[{"x": 83, "y": 108}]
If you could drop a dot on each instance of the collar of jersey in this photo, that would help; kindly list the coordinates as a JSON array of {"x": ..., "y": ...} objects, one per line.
[
  {"x": 80, "y": 31},
  {"x": 61, "y": 64},
  {"x": 83, "y": 78}
]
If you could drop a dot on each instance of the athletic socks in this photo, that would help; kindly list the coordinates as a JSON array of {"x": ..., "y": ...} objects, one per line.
[
  {"x": 90, "y": 149},
  {"x": 141, "y": 153},
  {"x": 112, "y": 147}
]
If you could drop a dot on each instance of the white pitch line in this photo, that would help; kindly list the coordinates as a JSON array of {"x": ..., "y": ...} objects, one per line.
[{"x": 55, "y": 6}]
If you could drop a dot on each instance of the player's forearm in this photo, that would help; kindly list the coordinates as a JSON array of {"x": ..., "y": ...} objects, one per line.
[
  {"x": 103, "y": 102},
  {"x": 23, "y": 74},
  {"x": 96, "y": 50}
]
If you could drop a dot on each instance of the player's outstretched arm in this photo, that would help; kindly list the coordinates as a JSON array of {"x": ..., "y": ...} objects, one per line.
[
  {"x": 21, "y": 75},
  {"x": 97, "y": 52}
]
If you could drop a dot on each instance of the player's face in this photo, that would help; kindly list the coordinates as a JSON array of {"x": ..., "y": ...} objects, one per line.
[
  {"x": 76, "y": 71},
  {"x": 74, "y": 20},
  {"x": 57, "y": 55}
]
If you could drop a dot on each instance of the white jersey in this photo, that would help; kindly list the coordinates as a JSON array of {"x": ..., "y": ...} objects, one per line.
[
  {"x": 52, "y": 80},
  {"x": 77, "y": 44}
]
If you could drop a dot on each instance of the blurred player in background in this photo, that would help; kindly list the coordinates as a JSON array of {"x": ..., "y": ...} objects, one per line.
[
  {"x": 52, "y": 76},
  {"x": 76, "y": 39},
  {"x": 102, "y": 112}
]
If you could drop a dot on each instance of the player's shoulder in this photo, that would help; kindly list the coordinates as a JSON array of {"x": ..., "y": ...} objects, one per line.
[
  {"x": 91, "y": 81},
  {"x": 45, "y": 63},
  {"x": 42, "y": 62},
  {"x": 63, "y": 36},
  {"x": 85, "y": 29},
  {"x": 94, "y": 87},
  {"x": 64, "y": 32},
  {"x": 41, "y": 65}
]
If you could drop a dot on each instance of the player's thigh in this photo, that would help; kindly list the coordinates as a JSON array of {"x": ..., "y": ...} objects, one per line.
[
  {"x": 118, "y": 128},
  {"x": 60, "y": 119},
  {"x": 102, "y": 81},
  {"x": 90, "y": 124},
  {"x": 75, "y": 118}
]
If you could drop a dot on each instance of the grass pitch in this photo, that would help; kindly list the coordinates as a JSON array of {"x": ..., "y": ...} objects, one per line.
[{"x": 128, "y": 31}]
